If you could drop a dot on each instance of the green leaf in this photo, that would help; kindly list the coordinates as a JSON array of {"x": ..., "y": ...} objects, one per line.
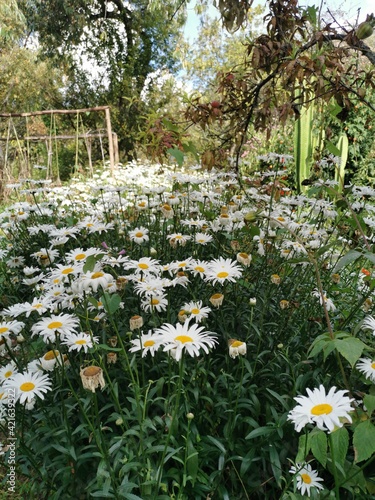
[
  {"x": 351, "y": 256},
  {"x": 304, "y": 446},
  {"x": 192, "y": 461},
  {"x": 332, "y": 148},
  {"x": 350, "y": 348},
  {"x": 89, "y": 263},
  {"x": 369, "y": 402},
  {"x": 217, "y": 443},
  {"x": 340, "y": 442},
  {"x": 177, "y": 155},
  {"x": 260, "y": 431},
  {"x": 111, "y": 302},
  {"x": 364, "y": 441},
  {"x": 318, "y": 441}
]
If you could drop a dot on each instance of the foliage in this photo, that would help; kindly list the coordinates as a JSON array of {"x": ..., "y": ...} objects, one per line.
[
  {"x": 210, "y": 425},
  {"x": 109, "y": 51}
]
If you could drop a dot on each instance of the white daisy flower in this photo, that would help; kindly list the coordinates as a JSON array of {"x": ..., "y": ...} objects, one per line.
[
  {"x": 155, "y": 302},
  {"x": 147, "y": 343},
  {"x": 139, "y": 235},
  {"x": 307, "y": 478},
  {"x": 7, "y": 371},
  {"x": 184, "y": 337},
  {"x": 78, "y": 341},
  {"x": 324, "y": 410},
  {"x": 61, "y": 324},
  {"x": 367, "y": 367},
  {"x": 369, "y": 323},
  {"x": 196, "y": 310},
  {"x": 28, "y": 385},
  {"x": 221, "y": 270}
]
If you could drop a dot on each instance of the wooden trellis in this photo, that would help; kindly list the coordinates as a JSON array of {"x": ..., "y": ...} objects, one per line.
[{"x": 111, "y": 136}]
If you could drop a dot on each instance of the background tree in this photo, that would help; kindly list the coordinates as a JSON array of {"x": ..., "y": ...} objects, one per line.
[
  {"x": 297, "y": 60},
  {"x": 109, "y": 50}
]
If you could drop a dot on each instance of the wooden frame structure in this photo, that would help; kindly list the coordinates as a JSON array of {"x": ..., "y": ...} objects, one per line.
[{"x": 112, "y": 137}]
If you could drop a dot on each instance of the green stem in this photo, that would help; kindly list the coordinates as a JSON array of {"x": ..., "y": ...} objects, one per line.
[{"x": 337, "y": 486}]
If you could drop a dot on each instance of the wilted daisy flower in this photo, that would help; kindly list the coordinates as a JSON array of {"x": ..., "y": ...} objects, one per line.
[
  {"x": 307, "y": 478},
  {"x": 244, "y": 259},
  {"x": 139, "y": 235},
  {"x": 28, "y": 385},
  {"x": 323, "y": 299},
  {"x": 92, "y": 377},
  {"x": 78, "y": 341},
  {"x": 221, "y": 270},
  {"x": 184, "y": 337},
  {"x": 147, "y": 343},
  {"x": 135, "y": 322},
  {"x": 217, "y": 299},
  {"x": 178, "y": 239},
  {"x": 49, "y": 361},
  {"x": 324, "y": 410},
  {"x": 236, "y": 347},
  {"x": 61, "y": 324},
  {"x": 367, "y": 367}
]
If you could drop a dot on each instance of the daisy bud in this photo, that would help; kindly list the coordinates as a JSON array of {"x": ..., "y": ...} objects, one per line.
[
  {"x": 253, "y": 302},
  {"x": 119, "y": 421},
  {"x": 92, "y": 378},
  {"x": 182, "y": 317},
  {"x": 153, "y": 252},
  {"x": 190, "y": 416}
]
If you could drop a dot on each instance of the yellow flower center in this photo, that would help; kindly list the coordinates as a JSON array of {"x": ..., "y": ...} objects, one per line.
[
  {"x": 200, "y": 269},
  {"x": 3, "y": 329},
  {"x": 68, "y": 270},
  {"x": 216, "y": 296},
  {"x": 222, "y": 274},
  {"x": 54, "y": 325},
  {"x": 167, "y": 207},
  {"x": 373, "y": 365},
  {"x": 139, "y": 234},
  {"x": 91, "y": 371},
  {"x": 142, "y": 265},
  {"x": 149, "y": 343},
  {"x": 2, "y": 394},
  {"x": 38, "y": 306},
  {"x": 236, "y": 343},
  {"x": 50, "y": 355},
  {"x": 244, "y": 255},
  {"x": 306, "y": 478},
  {"x": 27, "y": 386},
  {"x": 195, "y": 311},
  {"x": 80, "y": 256},
  {"x": 142, "y": 204},
  {"x": 322, "y": 409},
  {"x": 183, "y": 339},
  {"x": 182, "y": 264},
  {"x": 96, "y": 275},
  {"x": 89, "y": 224},
  {"x": 80, "y": 342},
  {"x": 8, "y": 374},
  {"x": 154, "y": 302}
]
